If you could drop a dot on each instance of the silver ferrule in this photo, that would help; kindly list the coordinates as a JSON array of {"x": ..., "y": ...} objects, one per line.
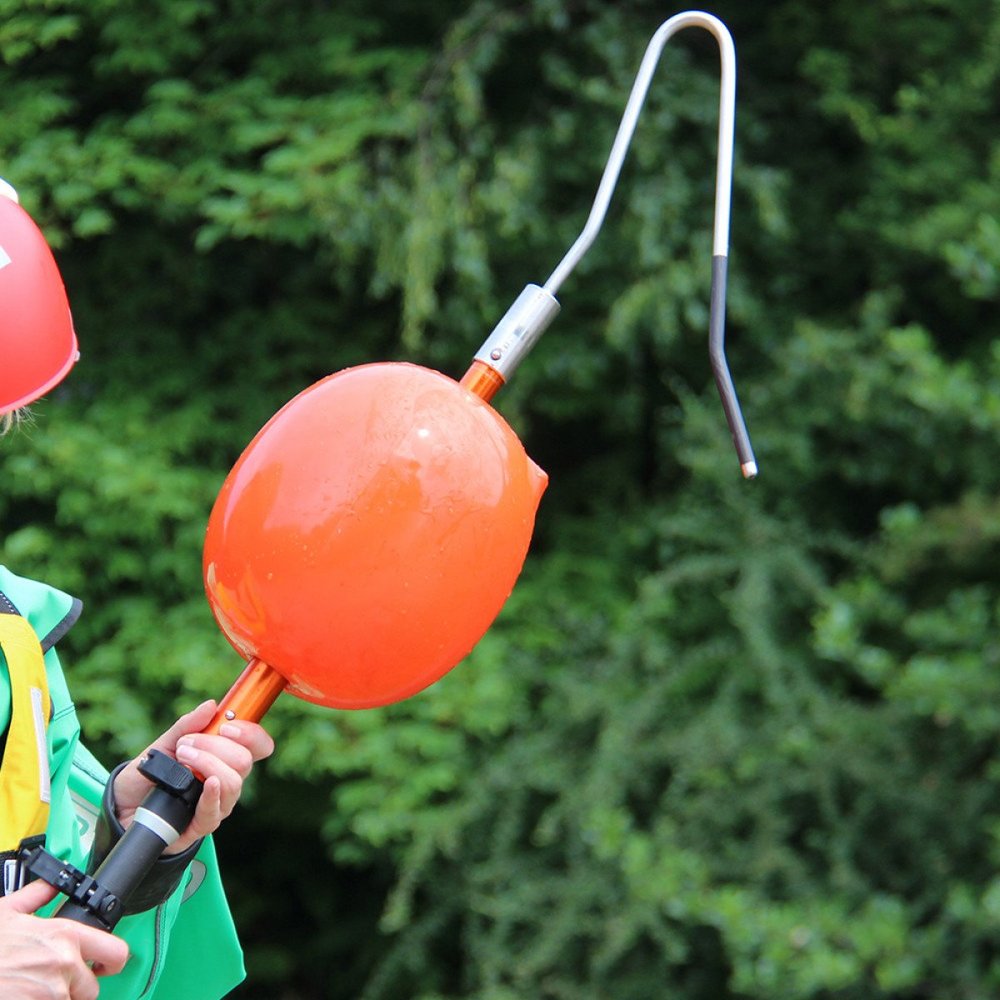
[
  {"x": 156, "y": 825},
  {"x": 523, "y": 323}
]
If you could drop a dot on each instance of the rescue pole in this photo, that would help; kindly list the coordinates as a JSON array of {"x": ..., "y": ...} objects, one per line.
[{"x": 368, "y": 536}]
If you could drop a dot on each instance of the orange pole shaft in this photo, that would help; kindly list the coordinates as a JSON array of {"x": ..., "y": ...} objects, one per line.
[
  {"x": 482, "y": 380},
  {"x": 253, "y": 693}
]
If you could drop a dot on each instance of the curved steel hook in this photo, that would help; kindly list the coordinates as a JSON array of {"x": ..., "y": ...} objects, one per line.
[
  {"x": 536, "y": 307},
  {"x": 626, "y": 129}
]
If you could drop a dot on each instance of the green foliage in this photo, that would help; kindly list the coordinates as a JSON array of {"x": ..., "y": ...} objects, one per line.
[{"x": 726, "y": 741}]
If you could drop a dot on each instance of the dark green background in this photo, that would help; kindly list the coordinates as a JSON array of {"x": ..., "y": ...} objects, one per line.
[{"x": 726, "y": 740}]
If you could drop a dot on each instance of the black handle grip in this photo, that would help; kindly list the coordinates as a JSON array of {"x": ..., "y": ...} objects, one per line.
[{"x": 164, "y": 815}]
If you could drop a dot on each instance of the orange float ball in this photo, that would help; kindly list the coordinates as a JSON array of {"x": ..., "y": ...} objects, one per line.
[{"x": 370, "y": 533}]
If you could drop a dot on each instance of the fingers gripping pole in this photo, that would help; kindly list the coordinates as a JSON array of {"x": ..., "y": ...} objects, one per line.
[{"x": 536, "y": 307}]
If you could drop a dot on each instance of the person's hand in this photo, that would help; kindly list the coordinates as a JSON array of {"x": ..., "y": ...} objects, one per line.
[
  {"x": 223, "y": 760},
  {"x": 52, "y": 959}
]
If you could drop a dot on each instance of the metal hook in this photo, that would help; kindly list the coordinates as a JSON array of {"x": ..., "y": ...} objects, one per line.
[{"x": 536, "y": 307}]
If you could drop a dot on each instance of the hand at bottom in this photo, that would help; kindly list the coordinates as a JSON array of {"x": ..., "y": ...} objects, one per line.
[{"x": 52, "y": 959}]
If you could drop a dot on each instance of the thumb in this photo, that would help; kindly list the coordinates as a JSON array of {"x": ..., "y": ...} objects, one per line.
[{"x": 30, "y": 898}]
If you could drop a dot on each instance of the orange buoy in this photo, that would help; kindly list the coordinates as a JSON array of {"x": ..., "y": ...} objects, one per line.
[{"x": 370, "y": 533}]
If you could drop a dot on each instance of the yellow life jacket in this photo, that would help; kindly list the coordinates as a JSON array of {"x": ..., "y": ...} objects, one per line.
[{"x": 25, "y": 791}]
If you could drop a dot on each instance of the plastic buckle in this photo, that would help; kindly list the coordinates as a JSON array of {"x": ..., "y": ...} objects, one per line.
[
  {"x": 83, "y": 890},
  {"x": 15, "y": 876}
]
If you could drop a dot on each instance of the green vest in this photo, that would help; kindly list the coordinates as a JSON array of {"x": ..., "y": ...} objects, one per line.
[{"x": 184, "y": 949}]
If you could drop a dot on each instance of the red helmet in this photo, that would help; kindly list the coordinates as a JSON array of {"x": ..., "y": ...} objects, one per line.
[{"x": 37, "y": 343}]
